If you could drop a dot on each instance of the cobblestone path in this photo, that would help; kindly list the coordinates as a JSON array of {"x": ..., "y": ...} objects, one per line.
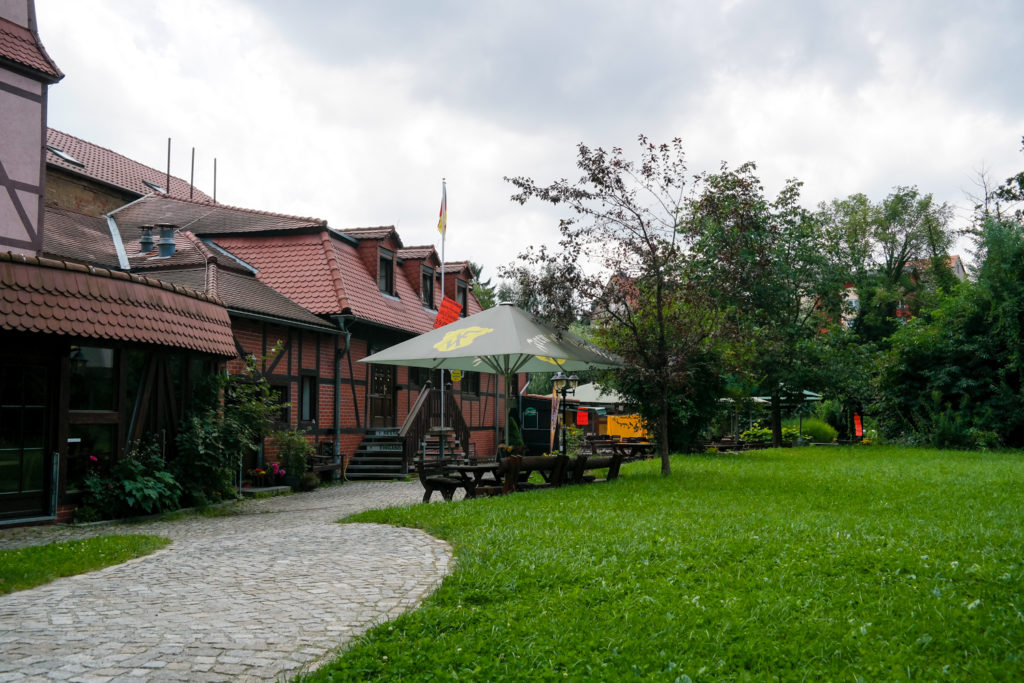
[{"x": 261, "y": 595}]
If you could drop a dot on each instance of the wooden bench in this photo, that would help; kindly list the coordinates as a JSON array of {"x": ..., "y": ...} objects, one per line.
[
  {"x": 324, "y": 461},
  {"x": 434, "y": 478},
  {"x": 582, "y": 463},
  {"x": 507, "y": 476},
  {"x": 551, "y": 468}
]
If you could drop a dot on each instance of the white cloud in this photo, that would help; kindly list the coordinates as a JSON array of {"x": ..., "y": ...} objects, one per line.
[{"x": 354, "y": 113}]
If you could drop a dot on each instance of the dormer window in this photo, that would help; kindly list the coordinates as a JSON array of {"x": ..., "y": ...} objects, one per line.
[
  {"x": 462, "y": 296},
  {"x": 427, "y": 287},
  {"x": 386, "y": 272},
  {"x": 65, "y": 156}
]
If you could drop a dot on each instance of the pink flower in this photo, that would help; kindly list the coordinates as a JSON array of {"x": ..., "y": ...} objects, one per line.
[
  {"x": 281, "y": 472},
  {"x": 94, "y": 458}
]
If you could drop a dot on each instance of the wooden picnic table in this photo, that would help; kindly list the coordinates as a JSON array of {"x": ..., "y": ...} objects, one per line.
[
  {"x": 632, "y": 450},
  {"x": 475, "y": 472}
]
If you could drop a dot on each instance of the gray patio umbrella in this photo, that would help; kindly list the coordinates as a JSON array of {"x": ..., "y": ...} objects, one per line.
[{"x": 504, "y": 340}]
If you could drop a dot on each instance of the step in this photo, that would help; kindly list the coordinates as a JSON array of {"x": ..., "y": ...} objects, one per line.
[{"x": 374, "y": 476}]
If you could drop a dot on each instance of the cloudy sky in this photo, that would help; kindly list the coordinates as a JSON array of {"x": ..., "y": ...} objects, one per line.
[{"x": 353, "y": 111}]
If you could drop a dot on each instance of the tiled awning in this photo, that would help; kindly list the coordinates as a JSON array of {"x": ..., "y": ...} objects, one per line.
[{"x": 55, "y": 297}]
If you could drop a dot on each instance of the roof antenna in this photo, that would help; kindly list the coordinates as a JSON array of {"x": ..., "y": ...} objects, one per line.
[
  {"x": 215, "y": 180},
  {"x": 168, "y": 186},
  {"x": 192, "y": 176}
]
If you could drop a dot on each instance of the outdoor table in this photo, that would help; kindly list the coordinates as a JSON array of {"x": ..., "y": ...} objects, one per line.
[
  {"x": 474, "y": 473},
  {"x": 632, "y": 450}
]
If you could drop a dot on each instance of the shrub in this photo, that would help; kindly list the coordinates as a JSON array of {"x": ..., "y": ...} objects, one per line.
[
  {"x": 763, "y": 435},
  {"x": 514, "y": 437},
  {"x": 138, "y": 484},
  {"x": 232, "y": 416},
  {"x": 293, "y": 451},
  {"x": 831, "y": 413},
  {"x": 814, "y": 429}
]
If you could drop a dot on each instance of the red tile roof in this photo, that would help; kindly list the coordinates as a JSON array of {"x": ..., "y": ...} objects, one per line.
[
  {"x": 419, "y": 252},
  {"x": 111, "y": 168},
  {"x": 56, "y": 297},
  {"x": 377, "y": 233},
  {"x": 20, "y": 45},
  {"x": 295, "y": 265},
  {"x": 457, "y": 267},
  {"x": 205, "y": 219},
  {"x": 325, "y": 274}
]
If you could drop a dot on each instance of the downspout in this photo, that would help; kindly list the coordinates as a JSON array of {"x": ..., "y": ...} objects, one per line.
[{"x": 339, "y": 354}]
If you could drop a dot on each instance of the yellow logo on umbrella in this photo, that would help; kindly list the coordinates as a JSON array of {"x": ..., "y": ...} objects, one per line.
[
  {"x": 553, "y": 361},
  {"x": 457, "y": 339}
]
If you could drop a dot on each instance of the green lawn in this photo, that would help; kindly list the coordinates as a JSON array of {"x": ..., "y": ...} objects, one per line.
[
  {"x": 816, "y": 564},
  {"x": 33, "y": 566}
]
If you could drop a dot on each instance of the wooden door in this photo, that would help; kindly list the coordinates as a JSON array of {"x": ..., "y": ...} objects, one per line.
[{"x": 382, "y": 396}]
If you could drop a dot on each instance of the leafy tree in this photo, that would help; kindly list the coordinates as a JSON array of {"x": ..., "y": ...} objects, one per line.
[
  {"x": 620, "y": 261},
  {"x": 955, "y": 375},
  {"x": 764, "y": 261},
  {"x": 894, "y": 252},
  {"x": 483, "y": 290}
]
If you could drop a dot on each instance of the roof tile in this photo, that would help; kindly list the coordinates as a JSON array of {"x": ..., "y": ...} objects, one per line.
[
  {"x": 21, "y": 45},
  {"x": 111, "y": 168},
  {"x": 114, "y": 308}
]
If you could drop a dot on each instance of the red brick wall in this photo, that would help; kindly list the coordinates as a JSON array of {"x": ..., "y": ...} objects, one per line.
[{"x": 308, "y": 349}]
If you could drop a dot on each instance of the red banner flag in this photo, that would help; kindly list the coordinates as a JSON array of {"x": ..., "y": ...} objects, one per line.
[
  {"x": 448, "y": 312},
  {"x": 858, "y": 428},
  {"x": 582, "y": 418}
]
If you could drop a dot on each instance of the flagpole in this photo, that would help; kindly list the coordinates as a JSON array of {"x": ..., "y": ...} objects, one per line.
[{"x": 442, "y": 226}]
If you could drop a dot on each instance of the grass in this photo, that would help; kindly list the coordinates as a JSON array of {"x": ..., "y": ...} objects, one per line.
[
  {"x": 25, "y": 568},
  {"x": 829, "y": 563}
]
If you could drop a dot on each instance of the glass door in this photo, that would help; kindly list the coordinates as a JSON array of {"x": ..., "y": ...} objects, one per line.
[{"x": 26, "y": 466}]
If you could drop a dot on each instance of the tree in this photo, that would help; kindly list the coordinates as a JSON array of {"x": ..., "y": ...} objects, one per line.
[
  {"x": 955, "y": 374},
  {"x": 483, "y": 290},
  {"x": 894, "y": 252},
  {"x": 620, "y": 262},
  {"x": 764, "y": 261}
]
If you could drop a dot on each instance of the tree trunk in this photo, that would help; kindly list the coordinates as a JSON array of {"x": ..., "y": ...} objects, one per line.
[
  {"x": 776, "y": 418},
  {"x": 666, "y": 467}
]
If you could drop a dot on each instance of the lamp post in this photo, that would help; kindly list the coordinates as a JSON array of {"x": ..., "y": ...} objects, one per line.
[{"x": 564, "y": 384}]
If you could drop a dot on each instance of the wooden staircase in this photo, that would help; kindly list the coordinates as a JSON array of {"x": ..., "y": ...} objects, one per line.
[
  {"x": 393, "y": 453},
  {"x": 430, "y": 446},
  {"x": 380, "y": 456}
]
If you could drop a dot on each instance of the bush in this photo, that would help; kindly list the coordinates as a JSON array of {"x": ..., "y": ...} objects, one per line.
[
  {"x": 204, "y": 466},
  {"x": 514, "y": 437},
  {"x": 763, "y": 435},
  {"x": 293, "y": 451},
  {"x": 232, "y": 415},
  {"x": 831, "y": 413},
  {"x": 136, "y": 485},
  {"x": 814, "y": 429}
]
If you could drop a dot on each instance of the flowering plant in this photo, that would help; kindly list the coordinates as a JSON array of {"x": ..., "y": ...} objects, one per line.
[
  {"x": 258, "y": 474},
  {"x": 276, "y": 472}
]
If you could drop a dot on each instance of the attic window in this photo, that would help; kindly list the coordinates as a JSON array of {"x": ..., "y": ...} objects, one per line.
[
  {"x": 427, "y": 287},
  {"x": 386, "y": 272},
  {"x": 462, "y": 296},
  {"x": 154, "y": 187},
  {"x": 65, "y": 156}
]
